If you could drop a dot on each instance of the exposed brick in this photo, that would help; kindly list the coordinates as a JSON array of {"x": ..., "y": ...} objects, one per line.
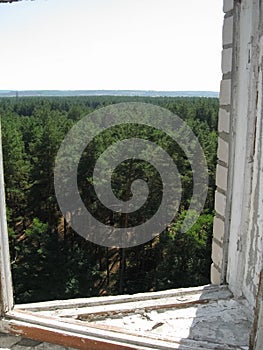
[
  {"x": 228, "y": 5},
  {"x": 221, "y": 177},
  {"x": 220, "y": 203},
  {"x": 223, "y": 121},
  {"x": 223, "y": 150},
  {"x": 219, "y": 229},
  {"x": 225, "y": 92},
  {"x": 215, "y": 275},
  {"x": 226, "y": 64},
  {"x": 228, "y": 31}
]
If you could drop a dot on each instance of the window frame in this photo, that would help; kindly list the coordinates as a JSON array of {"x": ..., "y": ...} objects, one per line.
[
  {"x": 35, "y": 321},
  {"x": 15, "y": 319},
  {"x": 6, "y": 289}
]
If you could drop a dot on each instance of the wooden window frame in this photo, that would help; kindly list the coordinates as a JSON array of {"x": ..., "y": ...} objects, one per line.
[{"x": 30, "y": 322}]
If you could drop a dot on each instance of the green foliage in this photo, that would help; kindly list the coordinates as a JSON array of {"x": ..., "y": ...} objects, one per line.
[
  {"x": 186, "y": 255},
  {"x": 49, "y": 260}
]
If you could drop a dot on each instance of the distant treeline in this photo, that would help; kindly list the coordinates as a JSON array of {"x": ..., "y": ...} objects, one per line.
[
  {"x": 145, "y": 93},
  {"x": 49, "y": 260}
]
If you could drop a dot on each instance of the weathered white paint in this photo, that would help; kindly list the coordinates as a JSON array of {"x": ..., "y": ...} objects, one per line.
[
  {"x": 117, "y": 299},
  {"x": 101, "y": 307},
  {"x": 240, "y": 152},
  {"x": 245, "y": 235},
  {"x": 228, "y": 5},
  {"x": 190, "y": 318},
  {"x": 240, "y": 169},
  {"x": 6, "y": 291},
  {"x": 254, "y": 247},
  {"x": 204, "y": 322},
  {"x": 238, "y": 226}
]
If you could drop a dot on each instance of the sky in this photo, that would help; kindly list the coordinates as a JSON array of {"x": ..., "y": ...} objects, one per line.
[{"x": 165, "y": 45}]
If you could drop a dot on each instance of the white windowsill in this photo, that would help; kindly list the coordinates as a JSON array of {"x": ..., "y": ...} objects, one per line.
[{"x": 205, "y": 317}]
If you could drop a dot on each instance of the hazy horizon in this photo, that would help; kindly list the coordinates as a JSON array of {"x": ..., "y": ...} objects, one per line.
[{"x": 128, "y": 93}]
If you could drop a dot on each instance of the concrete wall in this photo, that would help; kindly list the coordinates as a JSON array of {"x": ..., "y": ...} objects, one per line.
[{"x": 238, "y": 225}]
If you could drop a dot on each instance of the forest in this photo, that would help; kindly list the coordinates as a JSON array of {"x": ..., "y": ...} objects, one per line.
[{"x": 48, "y": 259}]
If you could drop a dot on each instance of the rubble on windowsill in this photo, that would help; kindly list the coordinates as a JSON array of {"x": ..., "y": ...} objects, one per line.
[{"x": 205, "y": 317}]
